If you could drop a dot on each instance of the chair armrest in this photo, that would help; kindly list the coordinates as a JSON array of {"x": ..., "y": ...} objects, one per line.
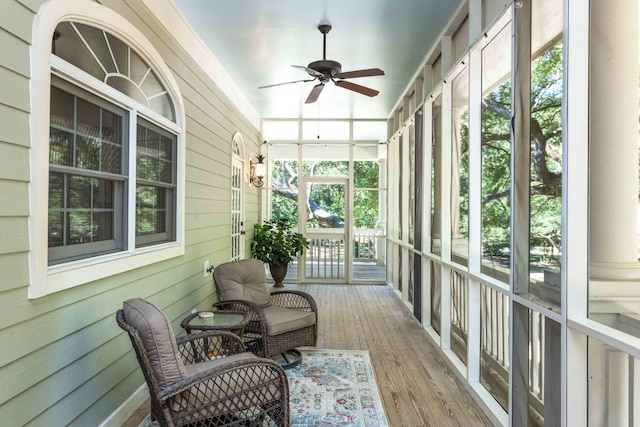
[
  {"x": 296, "y": 300},
  {"x": 236, "y": 305},
  {"x": 195, "y": 348},
  {"x": 243, "y": 305},
  {"x": 257, "y": 324},
  {"x": 236, "y": 386}
]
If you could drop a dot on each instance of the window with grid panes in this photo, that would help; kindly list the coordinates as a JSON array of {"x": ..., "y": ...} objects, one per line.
[{"x": 112, "y": 165}]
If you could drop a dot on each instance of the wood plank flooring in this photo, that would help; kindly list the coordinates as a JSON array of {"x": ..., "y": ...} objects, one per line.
[{"x": 417, "y": 385}]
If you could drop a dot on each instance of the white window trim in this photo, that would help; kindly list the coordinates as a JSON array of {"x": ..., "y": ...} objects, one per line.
[{"x": 44, "y": 279}]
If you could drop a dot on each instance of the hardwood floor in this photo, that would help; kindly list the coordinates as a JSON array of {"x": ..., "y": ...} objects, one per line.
[{"x": 417, "y": 385}]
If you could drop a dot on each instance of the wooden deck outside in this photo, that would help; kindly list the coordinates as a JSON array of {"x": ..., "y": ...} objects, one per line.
[{"x": 417, "y": 385}]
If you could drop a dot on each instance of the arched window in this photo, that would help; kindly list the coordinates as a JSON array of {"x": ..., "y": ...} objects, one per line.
[
  {"x": 110, "y": 60},
  {"x": 111, "y": 173}
]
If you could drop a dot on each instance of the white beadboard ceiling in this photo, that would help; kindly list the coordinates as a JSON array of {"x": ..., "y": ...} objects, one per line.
[{"x": 257, "y": 41}]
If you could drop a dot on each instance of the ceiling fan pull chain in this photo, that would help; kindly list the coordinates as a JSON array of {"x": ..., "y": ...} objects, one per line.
[{"x": 318, "y": 120}]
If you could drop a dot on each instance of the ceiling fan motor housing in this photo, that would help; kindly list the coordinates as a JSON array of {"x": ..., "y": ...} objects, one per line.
[
  {"x": 327, "y": 67},
  {"x": 324, "y": 27}
]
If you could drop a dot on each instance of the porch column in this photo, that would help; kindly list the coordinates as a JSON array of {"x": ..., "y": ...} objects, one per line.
[
  {"x": 614, "y": 285},
  {"x": 381, "y": 224},
  {"x": 613, "y": 142}
]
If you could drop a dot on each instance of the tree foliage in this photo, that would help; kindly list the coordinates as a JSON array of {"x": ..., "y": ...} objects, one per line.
[
  {"x": 325, "y": 201},
  {"x": 546, "y": 158}
]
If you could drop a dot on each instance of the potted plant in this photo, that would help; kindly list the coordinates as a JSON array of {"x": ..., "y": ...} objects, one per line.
[{"x": 276, "y": 244}]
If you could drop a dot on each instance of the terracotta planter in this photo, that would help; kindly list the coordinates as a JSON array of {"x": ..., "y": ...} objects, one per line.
[{"x": 278, "y": 273}]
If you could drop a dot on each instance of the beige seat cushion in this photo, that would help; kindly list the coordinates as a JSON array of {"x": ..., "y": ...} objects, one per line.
[
  {"x": 281, "y": 320},
  {"x": 243, "y": 280},
  {"x": 196, "y": 368},
  {"x": 157, "y": 338}
]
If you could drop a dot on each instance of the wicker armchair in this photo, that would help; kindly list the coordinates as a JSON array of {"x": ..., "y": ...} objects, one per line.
[
  {"x": 281, "y": 320},
  {"x": 204, "y": 379}
]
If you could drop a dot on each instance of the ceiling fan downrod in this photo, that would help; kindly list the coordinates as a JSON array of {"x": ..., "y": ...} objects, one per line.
[{"x": 324, "y": 29}]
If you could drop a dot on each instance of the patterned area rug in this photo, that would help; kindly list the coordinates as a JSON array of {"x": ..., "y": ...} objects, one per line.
[{"x": 332, "y": 388}]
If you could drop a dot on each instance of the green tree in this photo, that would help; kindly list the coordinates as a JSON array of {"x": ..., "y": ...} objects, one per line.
[
  {"x": 546, "y": 157},
  {"x": 326, "y": 201}
]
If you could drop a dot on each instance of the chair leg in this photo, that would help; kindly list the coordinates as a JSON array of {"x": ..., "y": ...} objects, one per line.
[
  {"x": 254, "y": 345},
  {"x": 289, "y": 359}
]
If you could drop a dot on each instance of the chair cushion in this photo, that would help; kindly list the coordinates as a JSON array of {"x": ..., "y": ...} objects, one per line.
[
  {"x": 196, "y": 368},
  {"x": 281, "y": 319},
  {"x": 243, "y": 280},
  {"x": 157, "y": 338}
]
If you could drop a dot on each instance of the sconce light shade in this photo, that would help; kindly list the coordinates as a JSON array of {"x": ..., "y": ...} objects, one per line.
[{"x": 258, "y": 171}]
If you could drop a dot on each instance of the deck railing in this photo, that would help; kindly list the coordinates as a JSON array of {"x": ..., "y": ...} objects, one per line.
[
  {"x": 325, "y": 258},
  {"x": 325, "y": 255},
  {"x": 495, "y": 343},
  {"x": 365, "y": 245},
  {"x": 459, "y": 310},
  {"x": 494, "y": 339}
]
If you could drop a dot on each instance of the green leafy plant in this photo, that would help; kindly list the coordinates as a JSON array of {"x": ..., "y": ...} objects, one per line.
[{"x": 275, "y": 243}]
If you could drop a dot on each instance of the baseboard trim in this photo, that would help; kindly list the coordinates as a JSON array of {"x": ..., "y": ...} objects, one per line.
[{"x": 128, "y": 408}]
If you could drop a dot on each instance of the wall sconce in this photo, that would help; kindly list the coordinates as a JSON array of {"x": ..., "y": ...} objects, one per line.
[{"x": 257, "y": 171}]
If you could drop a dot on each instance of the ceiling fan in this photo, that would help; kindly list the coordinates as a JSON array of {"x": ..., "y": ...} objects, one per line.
[{"x": 326, "y": 70}]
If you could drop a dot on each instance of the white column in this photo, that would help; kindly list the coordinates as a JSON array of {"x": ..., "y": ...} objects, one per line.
[
  {"x": 381, "y": 224},
  {"x": 613, "y": 198},
  {"x": 613, "y": 146}
]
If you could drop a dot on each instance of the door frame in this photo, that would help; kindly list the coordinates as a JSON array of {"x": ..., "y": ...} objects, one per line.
[{"x": 346, "y": 232}]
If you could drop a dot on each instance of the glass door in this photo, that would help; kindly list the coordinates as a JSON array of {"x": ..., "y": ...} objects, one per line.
[
  {"x": 325, "y": 221},
  {"x": 237, "y": 198},
  {"x": 237, "y": 210}
]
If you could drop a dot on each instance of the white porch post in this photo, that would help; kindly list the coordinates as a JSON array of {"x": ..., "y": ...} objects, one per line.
[
  {"x": 614, "y": 141},
  {"x": 381, "y": 224},
  {"x": 614, "y": 286}
]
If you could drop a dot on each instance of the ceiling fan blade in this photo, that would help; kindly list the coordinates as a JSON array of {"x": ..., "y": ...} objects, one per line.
[
  {"x": 287, "y": 83},
  {"x": 309, "y": 70},
  {"x": 315, "y": 93},
  {"x": 357, "y": 88},
  {"x": 360, "y": 73}
]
